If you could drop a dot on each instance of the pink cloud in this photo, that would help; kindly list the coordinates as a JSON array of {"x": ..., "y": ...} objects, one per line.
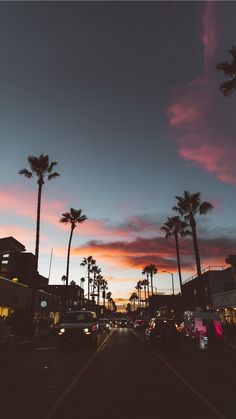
[
  {"x": 213, "y": 158},
  {"x": 200, "y": 127},
  {"x": 161, "y": 252},
  {"x": 21, "y": 201}
]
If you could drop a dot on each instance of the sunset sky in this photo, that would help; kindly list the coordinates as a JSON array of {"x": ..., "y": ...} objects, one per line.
[{"x": 125, "y": 97}]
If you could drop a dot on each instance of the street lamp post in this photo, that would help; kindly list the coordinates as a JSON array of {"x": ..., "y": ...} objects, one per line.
[{"x": 172, "y": 278}]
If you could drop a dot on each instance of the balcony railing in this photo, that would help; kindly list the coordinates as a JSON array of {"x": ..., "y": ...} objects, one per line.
[{"x": 209, "y": 268}]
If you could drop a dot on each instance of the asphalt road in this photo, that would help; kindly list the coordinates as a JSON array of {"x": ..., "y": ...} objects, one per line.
[{"x": 122, "y": 378}]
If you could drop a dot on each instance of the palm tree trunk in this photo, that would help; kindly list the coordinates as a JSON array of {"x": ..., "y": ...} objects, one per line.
[
  {"x": 40, "y": 183},
  {"x": 67, "y": 266},
  {"x": 195, "y": 245},
  {"x": 151, "y": 276},
  {"x": 88, "y": 281},
  {"x": 178, "y": 263},
  {"x": 148, "y": 286},
  {"x": 34, "y": 281},
  {"x": 98, "y": 299},
  {"x": 93, "y": 287},
  {"x": 145, "y": 296}
]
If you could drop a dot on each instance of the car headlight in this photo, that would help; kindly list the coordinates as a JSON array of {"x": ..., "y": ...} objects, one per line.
[
  {"x": 61, "y": 331},
  {"x": 86, "y": 330}
]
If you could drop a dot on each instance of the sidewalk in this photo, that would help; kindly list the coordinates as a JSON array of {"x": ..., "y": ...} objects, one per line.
[{"x": 16, "y": 340}]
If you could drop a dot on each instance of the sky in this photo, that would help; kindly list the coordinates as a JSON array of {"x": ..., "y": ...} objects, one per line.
[{"x": 125, "y": 97}]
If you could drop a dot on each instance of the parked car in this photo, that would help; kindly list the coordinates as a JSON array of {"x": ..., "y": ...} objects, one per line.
[
  {"x": 78, "y": 326},
  {"x": 162, "y": 331},
  {"x": 104, "y": 325}
]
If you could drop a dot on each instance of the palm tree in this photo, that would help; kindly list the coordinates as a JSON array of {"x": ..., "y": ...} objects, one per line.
[
  {"x": 89, "y": 262},
  {"x": 188, "y": 206},
  {"x": 108, "y": 297},
  {"x": 95, "y": 270},
  {"x": 139, "y": 288},
  {"x": 74, "y": 217},
  {"x": 152, "y": 269},
  {"x": 128, "y": 308},
  {"x": 40, "y": 168},
  {"x": 145, "y": 283},
  {"x": 133, "y": 298},
  {"x": 100, "y": 280},
  {"x": 82, "y": 280},
  {"x": 104, "y": 287},
  {"x": 229, "y": 69},
  {"x": 175, "y": 227},
  {"x": 145, "y": 271}
]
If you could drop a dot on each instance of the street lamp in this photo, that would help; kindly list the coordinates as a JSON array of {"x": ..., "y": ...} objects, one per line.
[{"x": 172, "y": 277}]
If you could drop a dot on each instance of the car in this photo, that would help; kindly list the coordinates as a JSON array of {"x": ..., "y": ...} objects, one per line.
[
  {"x": 122, "y": 323},
  {"x": 140, "y": 324},
  {"x": 79, "y": 327},
  {"x": 162, "y": 332},
  {"x": 104, "y": 325}
]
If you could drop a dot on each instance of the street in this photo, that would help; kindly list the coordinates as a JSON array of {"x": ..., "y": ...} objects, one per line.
[{"x": 122, "y": 378}]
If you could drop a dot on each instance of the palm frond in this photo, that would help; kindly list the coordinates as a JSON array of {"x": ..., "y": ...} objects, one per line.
[
  {"x": 26, "y": 173},
  {"x": 227, "y": 67},
  {"x": 228, "y": 87},
  {"x": 53, "y": 175},
  {"x": 205, "y": 207},
  {"x": 51, "y": 166},
  {"x": 64, "y": 220}
]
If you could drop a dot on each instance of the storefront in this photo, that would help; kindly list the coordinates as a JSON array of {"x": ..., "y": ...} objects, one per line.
[
  {"x": 225, "y": 305},
  {"x": 47, "y": 311}
]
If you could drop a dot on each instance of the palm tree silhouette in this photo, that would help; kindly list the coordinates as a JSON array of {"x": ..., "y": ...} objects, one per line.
[
  {"x": 152, "y": 270},
  {"x": 139, "y": 288},
  {"x": 145, "y": 283},
  {"x": 40, "y": 168},
  {"x": 146, "y": 272},
  {"x": 74, "y": 217},
  {"x": 188, "y": 206},
  {"x": 229, "y": 69},
  {"x": 104, "y": 287},
  {"x": 133, "y": 298},
  {"x": 95, "y": 270},
  {"x": 100, "y": 281},
  {"x": 108, "y": 297},
  {"x": 82, "y": 281},
  {"x": 89, "y": 262},
  {"x": 175, "y": 227}
]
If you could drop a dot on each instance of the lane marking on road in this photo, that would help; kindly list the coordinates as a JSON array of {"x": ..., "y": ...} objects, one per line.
[
  {"x": 212, "y": 408},
  {"x": 65, "y": 393},
  {"x": 45, "y": 349}
]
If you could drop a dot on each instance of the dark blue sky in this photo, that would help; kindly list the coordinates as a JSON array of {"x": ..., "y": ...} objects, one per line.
[{"x": 125, "y": 96}]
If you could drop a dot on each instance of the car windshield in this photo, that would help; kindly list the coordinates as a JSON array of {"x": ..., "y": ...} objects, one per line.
[{"x": 77, "y": 318}]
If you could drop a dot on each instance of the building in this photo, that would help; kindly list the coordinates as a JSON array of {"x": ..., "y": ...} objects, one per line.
[
  {"x": 75, "y": 294},
  {"x": 17, "y": 264},
  {"x": 17, "y": 273},
  {"x": 214, "y": 290},
  {"x": 165, "y": 305}
]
